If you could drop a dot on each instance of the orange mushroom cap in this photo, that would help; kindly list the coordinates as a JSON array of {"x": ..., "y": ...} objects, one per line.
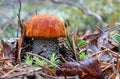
[{"x": 46, "y": 26}]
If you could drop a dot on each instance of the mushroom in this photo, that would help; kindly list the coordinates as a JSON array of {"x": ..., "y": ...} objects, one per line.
[{"x": 45, "y": 29}]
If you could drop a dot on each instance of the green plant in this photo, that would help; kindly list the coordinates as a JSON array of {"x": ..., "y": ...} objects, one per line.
[
  {"x": 38, "y": 61},
  {"x": 54, "y": 59},
  {"x": 117, "y": 38},
  {"x": 82, "y": 56},
  {"x": 28, "y": 60},
  {"x": 41, "y": 63},
  {"x": 81, "y": 43}
]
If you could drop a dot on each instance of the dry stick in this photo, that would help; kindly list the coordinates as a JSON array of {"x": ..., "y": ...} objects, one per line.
[
  {"x": 115, "y": 53},
  {"x": 116, "y": 27},
  {"x": 74, "y": 47},
  {"x": 82, "y": 50},
  {"x": 5, "y": 75},
  {"x": 19, "y": 19},
  {"x": 49, "y": 71},
  {"x": 61, "y": 40},
  {"x": 22, "y": 73},
  {"x": 53, "y": 77},
  {"x": 118, "y": 64},
  {"x": 8, "y": 59},
  {"x": 112, "y": 52},
  {"x": 106, "y": 67},
  {"x": 44, "y": 59},
  {"x": 63, "y": 58},
  {"x": 103, "y": 53},
  {"x": 115, "y": 72},
  {"x": 105, "y": 49},
  {"x": 33, "y": 71},
  {"x": 68, "y": 44},
  {"x": 97, "y": 53},
  {"x": 6, "y": 68},
  {"x": 19, "y": 56},
  {"x": 44, "y": 74},
  {"x": 21, "y": 26},
  {"x": 1, "y": 72}
]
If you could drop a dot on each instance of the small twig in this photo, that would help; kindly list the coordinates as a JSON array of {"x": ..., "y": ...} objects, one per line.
[
  {"x": 115, "y": 72},
  {"x": 19, "y": 55},
  {"x": 8, "y": 59},
  {"x": 113, "y": 53},
  {"x": 63, "y": 59},
  {"x": 19, "y": 18},
  {"x": 106, "y": 67},
  {"x": 22, "y": 73},
  {"x": 55, "y": 77},
  {"x": 44, "y": 59},
  {"x": 82, "y": 50},
  {"x": 116, "y": 27},
  {"x": 74, "y": 47},
  {"x": 49, "y": 71},
  {"x": 69, "y": 45},
  {"x": 5, "y": 75},
  {"x": 44, "y": 74},
  {"x": 19, "y": 6},
  {"x": 96, "y": 53}
]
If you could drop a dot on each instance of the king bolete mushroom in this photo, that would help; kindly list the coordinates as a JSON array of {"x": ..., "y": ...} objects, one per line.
[{"x": 45, "y": 29}]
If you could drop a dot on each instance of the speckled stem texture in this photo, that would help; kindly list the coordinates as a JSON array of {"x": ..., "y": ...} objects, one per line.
[{"x": 45, "y": 47}]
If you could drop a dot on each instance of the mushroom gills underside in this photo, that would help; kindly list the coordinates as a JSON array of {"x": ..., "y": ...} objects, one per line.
[{"x": 45, "y": 47}]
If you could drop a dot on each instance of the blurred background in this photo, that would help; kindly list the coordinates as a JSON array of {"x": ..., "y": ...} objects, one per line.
[{"x": 79, "y": 15}]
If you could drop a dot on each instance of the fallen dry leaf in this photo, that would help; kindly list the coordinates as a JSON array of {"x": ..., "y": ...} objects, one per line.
[
  {"x": 89, "y": 68},
  {"x": 6, "y": 51}
]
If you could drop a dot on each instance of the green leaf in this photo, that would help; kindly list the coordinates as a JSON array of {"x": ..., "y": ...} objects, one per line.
[
  {"x": 81, "y": 43},
  {"x": 117, "y": 38},
  {"x": 38, "y": 61},
  {"x": 28, "y": 60},
  {"x": 54, "y": 59},
  {"x": 82, "y": 56}
]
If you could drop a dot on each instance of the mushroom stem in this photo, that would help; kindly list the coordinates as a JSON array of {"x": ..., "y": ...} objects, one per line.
[{"x": 45, "y": 47}]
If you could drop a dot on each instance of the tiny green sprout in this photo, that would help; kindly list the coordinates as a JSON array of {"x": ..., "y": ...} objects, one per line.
[
  {"x": 69, "y": 41},
  {"x": 81, "y": 43},
  {"x": 41, "y": 63},
  {"x": 82, "y": 56},
  {"x": 117, "y": 38},
  {"x": 54, "y": 59},
  {"x": 38, "y": 61},
  {"x": 28, "y": 60}
]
